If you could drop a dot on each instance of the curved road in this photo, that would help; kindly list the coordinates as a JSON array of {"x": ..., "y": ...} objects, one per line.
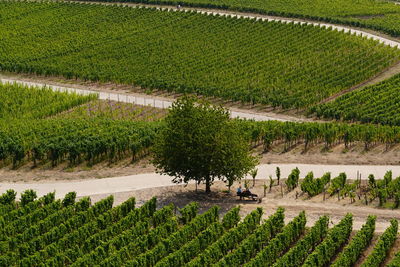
[
  {"x": 152, "y": 180},
  {"x": 246, "y": 114},
  {"x": 142, "y": 181},
  {"x": 237, "y": 14},
  {"x": 146, "y": 100}
]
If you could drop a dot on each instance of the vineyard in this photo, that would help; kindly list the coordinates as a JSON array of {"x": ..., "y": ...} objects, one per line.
[
  {"x": 93, "y": 140},
  {"x": 114, "y": 110},
  {"x": 377, "y": 15},
  {"x": 40, "y": 126},
  {"x": 44, "y": 231},
  {"x": 74, "y": 141},
  {"x": 308, "y": 134},
  {"x": 247, "y": 60},
  {"x": 22, "y": 102},
  {"x": 374, "y": 104},
  {"x": 384, "y": 191}
]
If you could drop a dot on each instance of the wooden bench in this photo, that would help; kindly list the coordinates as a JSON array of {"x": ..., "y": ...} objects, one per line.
[{"x": 247, "y": 194}]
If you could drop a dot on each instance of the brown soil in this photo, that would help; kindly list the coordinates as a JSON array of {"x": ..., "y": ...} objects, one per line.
[
  {"x": 367, "y": 251},
  {"x": 377, "y": 155},
  {"x": 181, "y": 195},
  {"x": 383, "y": 75},
  {"x": 46, "y": 173},
  {"x": 356, "y": 155},
  {"x": 291, "y": 115},
  {"x": 114, "y": 110}
]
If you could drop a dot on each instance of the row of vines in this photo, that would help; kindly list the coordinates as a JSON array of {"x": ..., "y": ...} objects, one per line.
[
  {"x": 93, "y": 140},
  {"x": 377, "y": 104},
  {"x": 376, "y": 15},
  {"x": 280, "y": 64},
  {"x": 49, "y": 232}
]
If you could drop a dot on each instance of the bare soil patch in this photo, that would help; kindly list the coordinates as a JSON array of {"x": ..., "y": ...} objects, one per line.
[
  {"x": 129, "y": 90},
  {"x": 181, "y": 195},
  {"x": 337, "y": 155},
  {"x": 63, "y": 172}
]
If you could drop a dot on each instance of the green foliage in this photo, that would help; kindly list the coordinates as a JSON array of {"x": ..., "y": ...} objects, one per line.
[
  {"x": 376, "y": 15},
  {"x": 48, "y": 198},
  {"x": 277, "y": 246},
  {"x": 338, "y": 183},
  {"x": 109, "y": 232},
  {"x": 28, "y": 196},
  {"x": 38, "y": 236},
  {"x": 293, "y": 179},
  {"x": 383, "y": 246},
  {"x": 350, "y": 254},
  {"x": 26, "y": 102},
  {"x": 228, "y": 241},
  {"x": 191, "y": 248},
  {"x": 8, "y": 198},
  {"x": 231, "y": 218},
  {"x": 18, "y": 225},
  {"x": 278, "y": 174},
  {"x": 337, "y": 236},
  {"x": 385, "y": 189},
  {"x": 69, "y": 199},
  {"x": 299, "y": 252},
  {"x": 374, "y": 104},
  {"x": 313, "y": 186},
  {"x": 47, "y": 233},
  {"x": 276, "y": 65},
  {"x": 199, "y": 142},
  {"x": 292, "y": 133},
  {"x": 177, "y": 239},
  {"x": 188, "y": 212},
  {"x": 127, "y": 248},
  {"x": 371, "y": 181},
  {"x": 107, "y": 109},
  {"x": 250, "y": 246},
  {"x": 74, "y": 141},
  {"x": 395, "y": 262}
]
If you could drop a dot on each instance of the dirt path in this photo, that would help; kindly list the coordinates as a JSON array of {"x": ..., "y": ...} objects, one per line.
[
  {"x": 140, "y": 99},
  {"x": 385, "y": 74},
  {"x": 180, "y": 196},
  {"x": 382, "y": 38},
  {"x": 385, "y": 39},
  {"x": 154, "y": 180},
  {"x": 156, "y": 102}
]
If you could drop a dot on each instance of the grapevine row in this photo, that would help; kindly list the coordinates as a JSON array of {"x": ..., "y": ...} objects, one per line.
[
  {"x": 277, "y": 246},
  {"x": 337, "y": 237},
  {"x": 381, "y": 249},
  {"x": 247, "y": 60},
  {"x": 351, "y": 253}
]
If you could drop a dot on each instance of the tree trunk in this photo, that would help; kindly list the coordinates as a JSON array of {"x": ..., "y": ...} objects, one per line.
[{"x": 208, "y": 185}]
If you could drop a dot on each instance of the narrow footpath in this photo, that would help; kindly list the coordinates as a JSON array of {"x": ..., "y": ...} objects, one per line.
[{"x": 153, "y": 180}]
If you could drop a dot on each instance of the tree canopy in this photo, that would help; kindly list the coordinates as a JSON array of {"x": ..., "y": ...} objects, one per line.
[{"x": 199, "y": 142}]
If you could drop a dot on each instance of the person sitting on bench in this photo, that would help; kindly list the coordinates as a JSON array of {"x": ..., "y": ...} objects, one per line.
[{"x": 245, "y": 193}]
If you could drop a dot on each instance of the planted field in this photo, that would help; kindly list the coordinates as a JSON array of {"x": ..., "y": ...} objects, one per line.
[
  {"x": 106, "y": 109},
  {"x": 22, "y": 102},
  {"x": 374, "y": 104},
  {"x": 53, "y": 232},
  {"x": 384, "y": 190},
  {"x": 378, "y": 15},
  {"x": 74, "y": 140},
  {"x": 292, "y": 134},
  {"x": 245, "y": 60},
  {"x": 93, "y": 140},
  {"x": 41, "y": 126}
]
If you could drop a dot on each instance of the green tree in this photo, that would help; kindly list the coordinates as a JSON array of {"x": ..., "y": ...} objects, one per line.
[
  {"x": 199, "y": 142},
  {"x": 278, "y": 174}
]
